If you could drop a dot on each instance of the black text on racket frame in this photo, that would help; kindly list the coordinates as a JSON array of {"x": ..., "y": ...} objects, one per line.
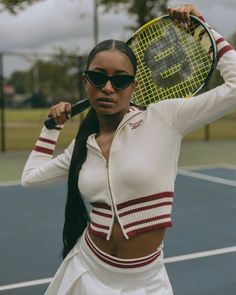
[{"x": 173, "y": 62}]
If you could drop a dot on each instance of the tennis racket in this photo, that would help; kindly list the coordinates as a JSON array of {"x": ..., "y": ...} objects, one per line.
[{"x": 173, "y": 62}]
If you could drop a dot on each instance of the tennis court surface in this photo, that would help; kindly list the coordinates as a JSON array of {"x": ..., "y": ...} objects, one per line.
[{"x": 200, "y": 249}]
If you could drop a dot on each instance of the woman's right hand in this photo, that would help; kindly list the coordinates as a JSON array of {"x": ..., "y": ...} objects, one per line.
[
  {"x": 61, "y": 112},
  {"x": 183, "y": 12}
]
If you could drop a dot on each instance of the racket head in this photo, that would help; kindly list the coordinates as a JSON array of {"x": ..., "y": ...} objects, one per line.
[{"x": 173, "y": 62}]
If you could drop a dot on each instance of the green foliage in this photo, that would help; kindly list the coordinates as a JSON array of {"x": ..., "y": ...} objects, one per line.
[
  {"x": 14, "y": 6},
  {"x": 56, "y": 78},
  {"x": 142, "y": 10},
  {"x": 21, "y": 81}
]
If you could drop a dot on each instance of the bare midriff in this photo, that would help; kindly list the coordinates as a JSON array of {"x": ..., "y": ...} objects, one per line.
[{"x": 134, "y": 247}]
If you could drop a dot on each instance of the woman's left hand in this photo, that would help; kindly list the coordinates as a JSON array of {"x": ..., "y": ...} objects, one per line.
[{"x": 182, "y": 13}]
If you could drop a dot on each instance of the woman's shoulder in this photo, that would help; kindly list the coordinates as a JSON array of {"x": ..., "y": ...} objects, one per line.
[{"x": 166, "y": 104}]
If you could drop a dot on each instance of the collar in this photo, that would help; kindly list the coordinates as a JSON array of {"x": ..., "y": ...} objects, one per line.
[{"x": 132, "y": 111}]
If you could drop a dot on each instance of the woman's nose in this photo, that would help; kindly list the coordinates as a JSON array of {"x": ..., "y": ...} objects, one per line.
[{"x": 108, "y": 88}]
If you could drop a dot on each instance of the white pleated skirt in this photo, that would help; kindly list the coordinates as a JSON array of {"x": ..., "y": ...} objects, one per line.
[{"x": 87, "y": 270}]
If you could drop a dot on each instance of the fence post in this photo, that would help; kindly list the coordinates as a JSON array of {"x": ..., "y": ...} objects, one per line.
[{"x": 2, "y": 101}]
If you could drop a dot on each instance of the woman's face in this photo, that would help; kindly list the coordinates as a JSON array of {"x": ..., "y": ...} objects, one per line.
[{"x": 107, "y": 100}]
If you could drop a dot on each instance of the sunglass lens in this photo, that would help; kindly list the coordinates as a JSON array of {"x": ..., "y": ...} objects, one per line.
[
  {"x": 96, "y": 79},
  {"x": 122, "y": 81}
]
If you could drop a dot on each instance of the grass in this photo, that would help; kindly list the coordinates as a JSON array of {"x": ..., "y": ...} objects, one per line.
[
  {"x": 23, "y": 127},
  {"x": 25, "y": 115}
]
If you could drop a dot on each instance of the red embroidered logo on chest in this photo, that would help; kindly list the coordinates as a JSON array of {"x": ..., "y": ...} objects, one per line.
[{"x": 135, "y": 124}]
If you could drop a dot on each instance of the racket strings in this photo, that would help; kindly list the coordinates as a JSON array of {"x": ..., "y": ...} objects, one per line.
[{"x": 172, "y": 62}]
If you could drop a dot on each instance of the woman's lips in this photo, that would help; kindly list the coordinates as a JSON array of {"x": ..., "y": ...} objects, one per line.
[{"x": 105, "y": 101}]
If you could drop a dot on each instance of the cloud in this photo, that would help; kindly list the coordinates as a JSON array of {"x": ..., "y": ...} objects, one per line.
[
  {"x": 57, "y": 23},
  {"x": 68, "y": 24}
]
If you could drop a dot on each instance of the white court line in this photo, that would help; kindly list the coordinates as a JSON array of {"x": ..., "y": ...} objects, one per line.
[
  {"x": 167, "y": 260},
  {"x": 209, "y": 166},
  {"x": 207, "y": 177},
  {"x": 182, "y": 171},
  {"x": 26, "y": 284},
  {"x": 200, "y": 254}
]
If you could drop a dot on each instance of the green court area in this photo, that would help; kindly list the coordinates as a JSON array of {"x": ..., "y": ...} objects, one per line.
[{"x": 23, "y": 127}]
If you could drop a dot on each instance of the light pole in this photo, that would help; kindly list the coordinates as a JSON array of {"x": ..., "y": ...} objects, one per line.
[{"x": 95, "y": 21}]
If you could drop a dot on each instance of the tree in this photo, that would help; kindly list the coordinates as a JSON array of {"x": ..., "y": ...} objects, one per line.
[
  {"x": 14, "y": 6},
  {"x": 142, "y": 10},
  {"x": 54, "y": 78}
]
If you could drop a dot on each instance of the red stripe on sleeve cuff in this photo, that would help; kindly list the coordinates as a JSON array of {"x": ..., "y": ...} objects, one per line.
[
  {"x": 218, "y": 41},
  {"x": 43, "y": 150},
  {"x": 224, "y": 50},
  {"x": 47, "y": 140}
]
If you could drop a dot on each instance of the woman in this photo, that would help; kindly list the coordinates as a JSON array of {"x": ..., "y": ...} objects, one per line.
[{"x": 124, "y": 163}]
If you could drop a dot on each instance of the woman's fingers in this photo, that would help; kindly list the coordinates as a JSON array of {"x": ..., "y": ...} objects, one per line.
[
  {"x": 68, "y": 110},
  {"x": 182, "y": 14},
  {"x": 60, "y": 112}
]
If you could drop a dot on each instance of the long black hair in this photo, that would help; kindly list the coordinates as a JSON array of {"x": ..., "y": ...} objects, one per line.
[{"x": 76, "y": 214}]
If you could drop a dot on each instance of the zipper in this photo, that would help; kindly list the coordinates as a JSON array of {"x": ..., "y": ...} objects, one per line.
[
  {"x": 114, "y": 211},
  {"x": 115, "y": 216},
  {"x": 108, "y": 180}
]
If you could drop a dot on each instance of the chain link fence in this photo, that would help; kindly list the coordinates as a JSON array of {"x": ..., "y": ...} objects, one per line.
[{"x": 31, "y": 83}]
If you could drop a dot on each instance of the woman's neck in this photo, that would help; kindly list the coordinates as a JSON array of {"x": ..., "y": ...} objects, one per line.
[{"x": 109, "y": 123}]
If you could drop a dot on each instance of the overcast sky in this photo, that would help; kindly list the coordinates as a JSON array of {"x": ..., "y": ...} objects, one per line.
[{"x": 68, "y": 24}]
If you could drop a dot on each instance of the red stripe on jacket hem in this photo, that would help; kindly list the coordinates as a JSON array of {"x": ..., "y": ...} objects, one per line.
[
  {"x": 145, "y": 199},
  {"x": 146, "y": 220},
  {"x": 96, "y": 233},
  {"x": 144, "y": 208},
  {"x": 101, "y": 205},
  {"x": 43, "y": 150},
  {"x": 101, "y": 213},
  {"x": 99, "y": 225}
]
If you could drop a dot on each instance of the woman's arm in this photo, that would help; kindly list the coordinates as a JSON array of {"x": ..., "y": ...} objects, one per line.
[
  {"x": 41, "y": 168},
  {"x": 186, "y": 115}
]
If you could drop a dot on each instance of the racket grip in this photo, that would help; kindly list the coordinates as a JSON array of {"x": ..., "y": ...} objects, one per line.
[{"x": 76, "y": 108}]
